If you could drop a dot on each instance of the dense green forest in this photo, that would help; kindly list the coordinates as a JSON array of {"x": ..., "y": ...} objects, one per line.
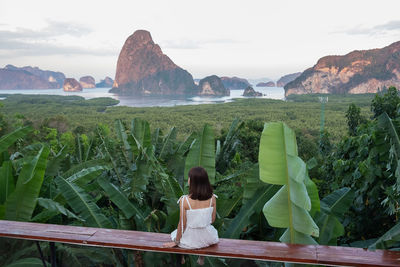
[{"x": 67, "y": 160}]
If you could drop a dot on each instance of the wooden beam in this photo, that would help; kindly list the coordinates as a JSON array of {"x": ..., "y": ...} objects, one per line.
[{"x": 226, "y": 248}]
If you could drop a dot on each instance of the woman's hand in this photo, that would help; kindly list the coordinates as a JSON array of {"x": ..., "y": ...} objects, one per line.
[{"x": 169, "y": 245}]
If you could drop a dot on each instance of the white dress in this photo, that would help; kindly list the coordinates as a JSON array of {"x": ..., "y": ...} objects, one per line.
[{"x": 199, "y": 232}]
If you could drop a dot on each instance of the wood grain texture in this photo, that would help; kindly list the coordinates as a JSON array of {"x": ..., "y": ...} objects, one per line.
[{"x": 227, "y": 248}]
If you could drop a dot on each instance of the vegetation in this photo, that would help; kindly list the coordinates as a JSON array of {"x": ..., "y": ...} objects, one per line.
[{"x": 72, "y": 170}]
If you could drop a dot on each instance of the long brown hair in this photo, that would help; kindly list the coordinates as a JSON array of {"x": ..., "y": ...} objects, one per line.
[{"x": 199, "y": 187}]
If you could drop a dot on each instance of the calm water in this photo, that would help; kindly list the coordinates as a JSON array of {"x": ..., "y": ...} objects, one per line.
[{"x": 135, "y": 101}]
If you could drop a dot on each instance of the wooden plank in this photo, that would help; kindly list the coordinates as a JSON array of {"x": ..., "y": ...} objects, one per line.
[
  {"x": 332, "y": 255},
  {"x": 46, "y": 232},
  {"x": 227, "y": 248}
]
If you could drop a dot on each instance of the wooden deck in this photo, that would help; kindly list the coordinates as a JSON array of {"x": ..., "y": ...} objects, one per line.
[{"x": 227, "y": 248}]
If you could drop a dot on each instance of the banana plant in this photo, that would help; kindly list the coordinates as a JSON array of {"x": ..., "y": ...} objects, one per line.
[
  {"x": 20, "y": 204},
  {"x": 202, "y": 153},
  {"x": 390, "y": 239},
  {"x": 333, "y": 208},
  {"x": 280, "y": 165},
  {"x": 7, "y": 140},
  {"x": 227, "y": 150}
]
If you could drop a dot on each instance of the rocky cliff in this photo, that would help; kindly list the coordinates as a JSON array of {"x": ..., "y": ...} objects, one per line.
[
  {"x": 107, "y": 82},
  {"x": 87, "y": 82},
  {"x": 143, "y": 69},
  {"x": 356, "y": 73},
  {"x": 287, "y": 79},
  {"x": 72, "y": 85},
  {"x": 212, "y": 86},
  {"x": 20, "y": 79},
  {"x": 250, "y": 92},
  {"x": 234, "y": 83},
  {"x": 12, "y": 77}
]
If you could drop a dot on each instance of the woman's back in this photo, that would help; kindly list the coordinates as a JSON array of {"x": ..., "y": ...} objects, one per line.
[
  {"x": 198, "y": 232},
  {"x": 199, "y": 213}
]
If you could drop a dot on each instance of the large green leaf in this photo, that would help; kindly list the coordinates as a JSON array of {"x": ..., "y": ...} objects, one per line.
[
  {"x": 225, "y": 206},
  {"x": 388, "y": 239},
  {"x": 202, "y": 153},
  {"x": 7, "y": 140},
  {"x": 255, "y": 204},
  {"x": 333, "y": 208},
  {"x": 31, "y": 262},
  {"x": 120, "y": 199},
  {"x": 123, "y": 137},
  {"x": 21, "y": 203},
  {"x": 280, "y": 165},
  {"x": 87, "y": 175},
  {"x": 6, "y": 181},
  {"x": 227, "y": 150},
  {"x": 312, "y": 191},
  {"x": 140, "y": 129},
  {"x": 141, "y": 177},
  {"x": 56, "y": 207},
  {"x": 386, "y": 122},
  {"x": 168, "y": 144},
  {"x": 82, "y": 203},
  {"x": 172, "y": 190},
  {"x": 253, "y": 183},
  {"x": 84, "y": 165}
]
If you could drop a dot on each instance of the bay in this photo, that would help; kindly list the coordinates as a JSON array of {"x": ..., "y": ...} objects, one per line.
[{"x": 152, "y": 101}]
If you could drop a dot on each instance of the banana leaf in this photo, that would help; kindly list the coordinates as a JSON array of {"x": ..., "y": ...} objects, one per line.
[
  {"x": 82, "y": 203},
  {"x": 85, "y": 176},
  {"x": 333, "y": 208},
  {"x": 123, "y": 137},
  {"x": 54, "y": 206},
  {"x": 227, "y": 150},
  {"x": 254, "y": 205},
  {"x": 168, "y": 144},
  {"x": 120, "y": 199},
  {"x": 202, "y": 153},
  {"x": 388, "y": 239},
  {"x": 140, "y": 129},
  {"x": 6, "y": 181},
  {"x": 253, "y": 183},
  {"x": 280, "y": 165},
  {"x": 7, "y": 140},
  {"x": 84, "y": 165},
  {"x": 385, "y": 122},
  {"x": 225, "y": 206},
  {"x": 21, "y": 203},
  {"x": 31, "y": 262}
]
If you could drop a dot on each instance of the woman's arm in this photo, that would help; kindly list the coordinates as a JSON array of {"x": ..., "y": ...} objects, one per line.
[
  {"x": 214, "y": 204},
  {"x": 182, "y": 218}
]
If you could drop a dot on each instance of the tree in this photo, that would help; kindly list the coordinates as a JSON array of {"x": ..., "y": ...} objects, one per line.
[
  {"x": 354, "y": 118},
  {"x": 388, "y": 102}
]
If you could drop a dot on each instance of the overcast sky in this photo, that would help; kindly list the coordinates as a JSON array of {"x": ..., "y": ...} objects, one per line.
[{"x": 250, "y": 39}]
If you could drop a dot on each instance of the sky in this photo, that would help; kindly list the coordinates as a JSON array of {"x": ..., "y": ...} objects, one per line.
[{"x": 250, "y": 39}]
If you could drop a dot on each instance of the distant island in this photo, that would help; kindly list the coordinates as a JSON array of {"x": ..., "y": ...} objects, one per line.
[
  {"x": 12, "y": 78},
  {"x": 266, "y": 84},
  {"x": 143, "y": 69},
  {"x": 358, "y": 72},
  {"x": 28, "y": 77},
  {"x": 250, "y": 92},
  {"x": 234, "y": 83}
]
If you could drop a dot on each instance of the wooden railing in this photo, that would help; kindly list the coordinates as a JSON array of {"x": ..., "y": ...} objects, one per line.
[{"x": 226, "y": 248}]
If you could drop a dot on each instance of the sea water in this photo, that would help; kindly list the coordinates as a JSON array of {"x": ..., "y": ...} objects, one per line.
[{"x": 151, "y": 101}]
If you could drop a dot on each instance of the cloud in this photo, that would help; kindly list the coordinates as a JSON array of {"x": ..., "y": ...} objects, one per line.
[
  {"x": 28, "y": 42},
  {"x": 190, "y": 44},
  {"x": 381, "y": 29}
]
